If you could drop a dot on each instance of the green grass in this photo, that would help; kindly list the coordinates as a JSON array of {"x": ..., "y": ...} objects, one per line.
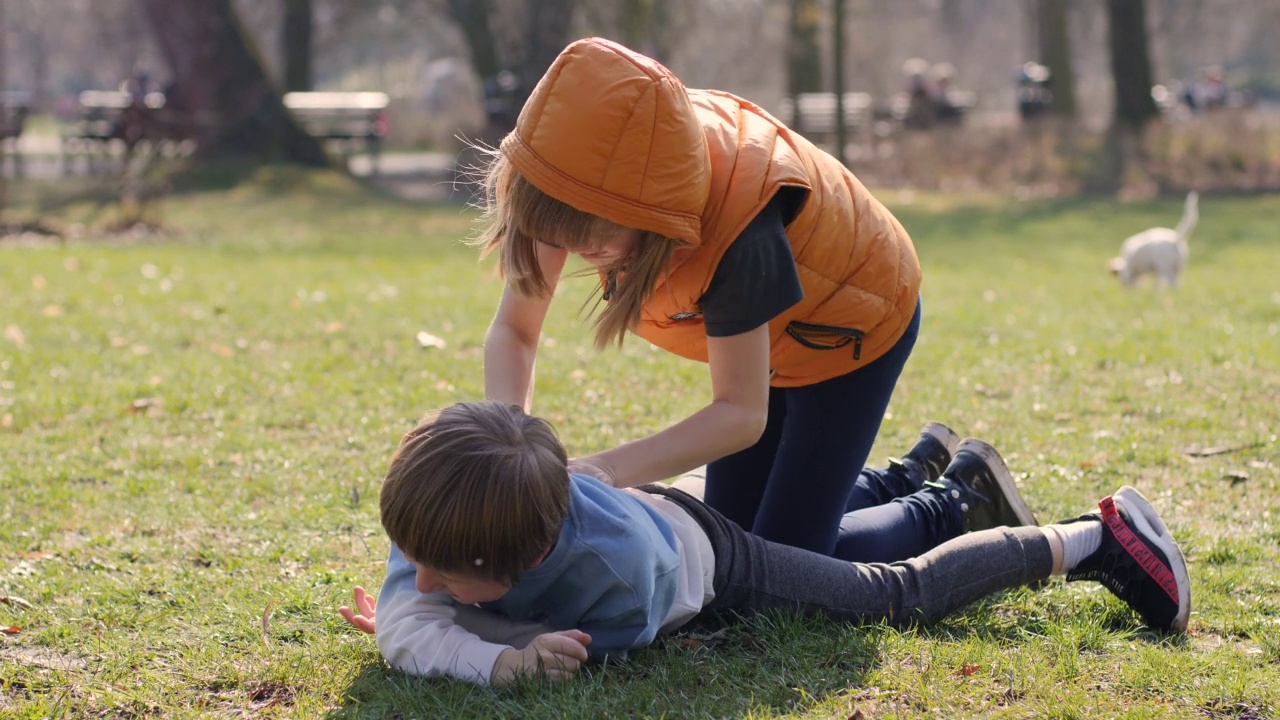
[{"x": 193, "y": 430}]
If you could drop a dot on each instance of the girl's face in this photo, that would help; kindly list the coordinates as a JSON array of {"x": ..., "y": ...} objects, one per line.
[
  {"x": 467, "y": 591},
  {"x": 609, "y": 248}
]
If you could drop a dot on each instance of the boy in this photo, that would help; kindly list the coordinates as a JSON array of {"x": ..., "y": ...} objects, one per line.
[{"x": 503, "y": 563}]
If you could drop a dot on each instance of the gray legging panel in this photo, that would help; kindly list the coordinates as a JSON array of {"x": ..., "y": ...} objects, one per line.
[{"x": 753, "y": 575}]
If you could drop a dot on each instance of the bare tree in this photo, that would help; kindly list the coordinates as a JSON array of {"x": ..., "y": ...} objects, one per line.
[
  {"x": 1130, "y": 62},
  {"x": 804, "y": 52},
  {"x": 1055, "y": 53},
  {"x": 295, "y": 39},
  {"x": 4, "y": 47},
  {"x": 1134, "y": 105},
  {"x": 535, "y": 33},
  {"x": 220, "y": 82}
]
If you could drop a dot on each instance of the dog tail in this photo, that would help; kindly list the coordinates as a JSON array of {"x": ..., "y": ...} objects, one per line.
[{"x": 1190, "y": 214}]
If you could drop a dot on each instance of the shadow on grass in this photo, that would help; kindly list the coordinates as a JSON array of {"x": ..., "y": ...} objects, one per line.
[{"x": 768, "y": 665}]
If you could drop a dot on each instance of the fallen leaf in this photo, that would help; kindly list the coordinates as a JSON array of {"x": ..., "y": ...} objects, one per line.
[
  {"x": 427, "y": 340},
  {"x": 1236, "y": 476},
  {"x": 13, "y": 334},
  {"x": 142, "y": 405},
  {"x": 1220, "y": 450},
  {"x": 15, "y": 600},
  {"x": 266, "y": 623}
]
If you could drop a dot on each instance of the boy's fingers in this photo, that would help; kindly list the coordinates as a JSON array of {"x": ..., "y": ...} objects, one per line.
[
  {"x": 578, "y": 635},
  {"x": 568, "y": 646},
  {"x": 359, "y": 622}
]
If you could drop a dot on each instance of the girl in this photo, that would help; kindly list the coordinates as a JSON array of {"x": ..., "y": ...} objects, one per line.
[{"x": 722, "y": 236}]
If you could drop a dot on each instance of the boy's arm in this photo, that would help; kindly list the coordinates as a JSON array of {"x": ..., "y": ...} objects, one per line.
[{"x": 428, "y": 635}]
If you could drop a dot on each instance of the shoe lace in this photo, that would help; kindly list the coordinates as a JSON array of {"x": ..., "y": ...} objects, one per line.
[{"x": 967, "y": 493}]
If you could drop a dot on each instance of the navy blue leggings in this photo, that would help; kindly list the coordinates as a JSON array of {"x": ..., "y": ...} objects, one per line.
[{"x": 796, "y": 483}]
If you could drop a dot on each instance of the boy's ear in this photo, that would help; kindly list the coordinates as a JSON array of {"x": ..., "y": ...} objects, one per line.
[{"x": 541, "y": 556}]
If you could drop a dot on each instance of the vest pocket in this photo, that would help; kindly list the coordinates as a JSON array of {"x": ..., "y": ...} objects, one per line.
[{"x": 826, "y": 337}]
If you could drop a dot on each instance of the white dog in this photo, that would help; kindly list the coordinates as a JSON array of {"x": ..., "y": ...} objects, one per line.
[{"x": 1157, "y": 251}]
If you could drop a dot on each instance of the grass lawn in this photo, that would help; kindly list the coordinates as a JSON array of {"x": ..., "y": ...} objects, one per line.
[{"x": 193, "y": 431}]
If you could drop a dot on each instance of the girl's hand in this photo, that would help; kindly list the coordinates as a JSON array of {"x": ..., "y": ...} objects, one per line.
[
  {"x": 556, "y": 656},
  {"x": 594, "y": 468},
  {"x": 365, "y": 604}
]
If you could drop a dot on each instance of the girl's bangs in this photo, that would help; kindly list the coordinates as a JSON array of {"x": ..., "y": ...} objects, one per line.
[{"x": 541, "y": 217}]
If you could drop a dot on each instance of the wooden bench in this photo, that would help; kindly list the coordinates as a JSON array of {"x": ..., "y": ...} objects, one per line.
[
  {"x": 113, "y": 117},
  {"x": 347, "y": 117},
  {"x": 816, "y": 118},
  {"x": 98, "y": 117},
  {"x": 13, "y": 114}
]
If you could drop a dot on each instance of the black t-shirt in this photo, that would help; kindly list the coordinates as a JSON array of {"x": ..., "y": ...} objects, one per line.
[{"x": 756, "y": 279}]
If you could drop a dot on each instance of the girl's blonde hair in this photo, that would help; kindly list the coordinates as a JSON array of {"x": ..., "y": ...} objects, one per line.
[
  {"x": 517, "y": 216},
  {"x": 478, "y": 489}
]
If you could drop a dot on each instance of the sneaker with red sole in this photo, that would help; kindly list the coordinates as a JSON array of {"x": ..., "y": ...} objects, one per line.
[{"x": 1139, "y": 562}]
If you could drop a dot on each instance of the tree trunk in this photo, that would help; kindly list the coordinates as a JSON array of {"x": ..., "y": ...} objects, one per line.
[
  {"x": 4, "y": 178},
  {"x": 220, "y": 82},
  {"x": 296, "y": 35},
  {"x": 507, "y": 87},
  {"x": 804, "y": 55},
  {"x": 548, "y": 34},
  {"x": 472, "y": 17},
  {"x": 1055, "y": 54},
  {"x": 1130, "y": 63}
]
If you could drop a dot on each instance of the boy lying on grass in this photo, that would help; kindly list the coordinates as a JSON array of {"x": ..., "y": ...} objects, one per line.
[{"x": 503, "y": 563}]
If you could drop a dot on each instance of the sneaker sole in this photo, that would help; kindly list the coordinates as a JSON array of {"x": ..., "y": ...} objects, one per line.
[
  {"x": 1147, "y": 520},
  {"x": 1004, "y": 478}
]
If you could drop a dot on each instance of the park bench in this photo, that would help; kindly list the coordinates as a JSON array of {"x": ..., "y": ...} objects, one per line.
[
  {"x": 105, "y": 117},
  {"x": 98, "y": 117},
  {"x": 346, "y": 117},
  {"x": 13, "y": 114},
  {"x": 814, "y": 114}
]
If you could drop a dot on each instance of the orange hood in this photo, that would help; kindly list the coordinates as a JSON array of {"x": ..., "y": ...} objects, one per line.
[{"x": 614, "y": 134}]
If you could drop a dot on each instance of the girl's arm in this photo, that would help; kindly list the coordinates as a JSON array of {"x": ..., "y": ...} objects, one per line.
[
  {"x": 511, "y": 345},
  {"x": 733, "y": 421}
]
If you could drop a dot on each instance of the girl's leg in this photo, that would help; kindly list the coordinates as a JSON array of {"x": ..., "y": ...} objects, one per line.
[
  {"x": 827, "y": 435},
  {"x": 900, "y": 529}
]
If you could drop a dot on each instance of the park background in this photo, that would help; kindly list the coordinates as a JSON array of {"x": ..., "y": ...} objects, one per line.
[{"x": 217, "y": 323}]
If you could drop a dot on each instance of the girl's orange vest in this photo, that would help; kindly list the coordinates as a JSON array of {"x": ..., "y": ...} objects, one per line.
[{"x": 615, "y": 134}]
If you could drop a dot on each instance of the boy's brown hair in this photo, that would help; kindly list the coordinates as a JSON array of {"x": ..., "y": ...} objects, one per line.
[
  {"x": 518, "y": 216},
  {"x": 478, "y": 489}
]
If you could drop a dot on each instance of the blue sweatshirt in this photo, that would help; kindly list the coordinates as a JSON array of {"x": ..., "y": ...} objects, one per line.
[{"x": 614, "y": 574}]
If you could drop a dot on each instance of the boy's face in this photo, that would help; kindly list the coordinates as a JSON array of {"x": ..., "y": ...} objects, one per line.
[{"x": 467, "y": 591}]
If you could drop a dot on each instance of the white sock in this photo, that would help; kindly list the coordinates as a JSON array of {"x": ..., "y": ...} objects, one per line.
[{"x": 1079, "y": 541}]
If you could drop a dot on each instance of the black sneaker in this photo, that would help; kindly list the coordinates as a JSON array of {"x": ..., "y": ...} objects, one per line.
[
  {"x": 932, "y": 453},
  {"x": 1139, "y": 562},
  {"x": 979, "y": 479}
]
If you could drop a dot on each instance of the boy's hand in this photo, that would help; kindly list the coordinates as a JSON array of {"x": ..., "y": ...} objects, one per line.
[
  {"x": 365, "y": 604},
  {"x": 556, "y": 655}
]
